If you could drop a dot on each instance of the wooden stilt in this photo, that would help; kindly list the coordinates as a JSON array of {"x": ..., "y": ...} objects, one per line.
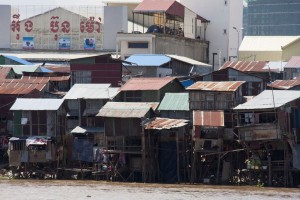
[
  {"x": 143, "y": 155},
  {"x": 177, "y": 155}
]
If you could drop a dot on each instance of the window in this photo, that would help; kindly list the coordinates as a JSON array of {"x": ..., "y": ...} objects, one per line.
[
  {"x": 138, "y": 45},
  {"x": 224, "y": 31}
]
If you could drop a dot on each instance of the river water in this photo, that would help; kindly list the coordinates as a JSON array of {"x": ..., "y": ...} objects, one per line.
[{"x": 59, "y": 190}]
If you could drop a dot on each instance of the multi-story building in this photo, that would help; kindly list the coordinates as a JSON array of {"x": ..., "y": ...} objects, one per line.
[
  {"x": 225, "y": 28},
  {"x": 273, "y": 17}
]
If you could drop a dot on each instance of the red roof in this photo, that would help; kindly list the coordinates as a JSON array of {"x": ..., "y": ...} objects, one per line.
[
  {"x": 20, "y": 86},
  {"x": 4, "y": 72},
  {"x": 171, "y": 7},
  {"x": 58, "y": 68},
  {"x": 294, "y": 62},
  {"x": 222, "y": 86},
  {"x": 208, "y": 118},
  {"x": 246, "y": 66},
  {"x": 285, "y": 84},
  {"x": 146, "y": 83}
]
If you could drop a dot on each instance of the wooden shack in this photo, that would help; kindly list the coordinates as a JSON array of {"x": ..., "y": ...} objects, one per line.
[
  {"x": 124, "y": 135},
  {"x": 149, "y": 89},
  {"x": 268, "y": 128},
  {"x": 208, "y": 130}
]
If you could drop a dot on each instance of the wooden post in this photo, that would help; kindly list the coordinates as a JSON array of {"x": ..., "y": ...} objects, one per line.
[
  {"x": 177, "y": 155},
  {"x": 269, "y": 170},
  {"x": 143, "y": 154},
  {"x": 218, "y": 168}
]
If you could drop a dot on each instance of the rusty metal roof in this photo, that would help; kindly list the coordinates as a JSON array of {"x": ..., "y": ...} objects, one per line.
[
  {"x": 165, "y": 123},
  {"x": 47, "y": 78},
  {"x": 4, "y": 71},
  {"x": 285, "y": 84},
  {"x": 208, "y": 118},
  {"x": 20, "y": 86},
  {"x": 294, "y": 62},
  {"x": 222, "y": 86},
  {"x": 146, "y": 83},
  {"x": 246, "y": 66},
  {"x": 126, "y": 109}
]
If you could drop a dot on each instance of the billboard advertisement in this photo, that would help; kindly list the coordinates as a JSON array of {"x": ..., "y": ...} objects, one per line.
[
  {"x": 89, "y": 44},
  {"x": 28, "y": 42},
  {"x": 64, "y": 43}
]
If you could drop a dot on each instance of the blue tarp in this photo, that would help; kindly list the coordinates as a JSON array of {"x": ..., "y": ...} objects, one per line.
[{"x": 187, "y": 83}]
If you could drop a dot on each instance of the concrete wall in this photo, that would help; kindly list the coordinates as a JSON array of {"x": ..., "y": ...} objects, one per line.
[
  {"x": 223, "y": 15},
  {"x": 191, "y": 48},
  {"x": 5, "y": 15},
  {"x": 116, "y": 20}
]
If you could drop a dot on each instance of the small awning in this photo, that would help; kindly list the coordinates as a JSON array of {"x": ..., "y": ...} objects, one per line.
[
  {"x": 86, "y": 130},
  {"x": 165, "y": 123}
]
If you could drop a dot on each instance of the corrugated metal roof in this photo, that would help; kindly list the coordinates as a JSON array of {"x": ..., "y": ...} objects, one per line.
[
  {"x": 19, "y": 60},
  {"x": 47, "y": 78},
  {"x": 126, "y": 109},
  {"x": 37, "y": 104},
  {"x": 265, "y": 100},
  {"x": 153, "y": 60},
  {"x": 146, "y": 83},
  {"x": 19, "y": 69},
  {"x": 294, "y": 62},
  {"x": 266, "y": 43},
  {"x": 20, "y": 86},
  {"x": 208, "y": 118},
  {"x": 4, "y": 71},
  {"x": 275, "y": 66},
  {"x": 91, "y": 91},
  {"x": 285, "y": 84},
  {"x": 165, "y": 123},
  {"x": 85, "y": 130},
  {"x": 175, "y": 101},
  {"x": 189, "y": 60},
  {"x": 222, "y": 86},
  {"x": 246, "y": 66}
]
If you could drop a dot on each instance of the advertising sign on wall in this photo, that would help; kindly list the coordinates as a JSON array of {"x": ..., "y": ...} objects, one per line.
[
  {"x": 89, "y": 44},
  {"x": 64, "y": 43},
  {"x": 28, "y": 42}
]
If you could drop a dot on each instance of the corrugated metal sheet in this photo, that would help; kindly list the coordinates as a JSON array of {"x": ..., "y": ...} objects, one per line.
[
  {"x": 146, "y": 83},
  {"x": 126, "y": 109},
  {"x": 91, "y": 91},
  {"x": 189, "y": 60},
  {"x": 37, "y": 104},
  {"x": 275, "y": 66},
  {"x": 225, "y": 86},
  {"x": 153, "y": 60},
  {"x": 294, "y": 62},
  {"x": 266, "y": 43},
  {"x": 85, "y": 130},
  {"x": 19, "y": 60},
  {"x": 208, "y": 118},
  {"x": 246, "y": 66},
  {"x": 58, "y": 68},
  {"x": 265, "y": 100},
  {"x": 175, "y": 101},
  {"x": 20, "y": 86},
  {"x": 4, "y": 71},
  {"x": 285, "y": 84},
  {"x": 47, "y": 78},
  {"x": 123, "y": 1},
  {"x": 19, "y": 69},
  {"x": 165, "y": 123}
]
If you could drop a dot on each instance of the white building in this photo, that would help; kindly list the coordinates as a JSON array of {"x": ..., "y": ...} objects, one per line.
[{"x": 223, "y": 16}]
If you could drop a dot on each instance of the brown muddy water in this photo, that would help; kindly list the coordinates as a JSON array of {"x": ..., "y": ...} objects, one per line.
[{"x": 58, "y": 190}]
